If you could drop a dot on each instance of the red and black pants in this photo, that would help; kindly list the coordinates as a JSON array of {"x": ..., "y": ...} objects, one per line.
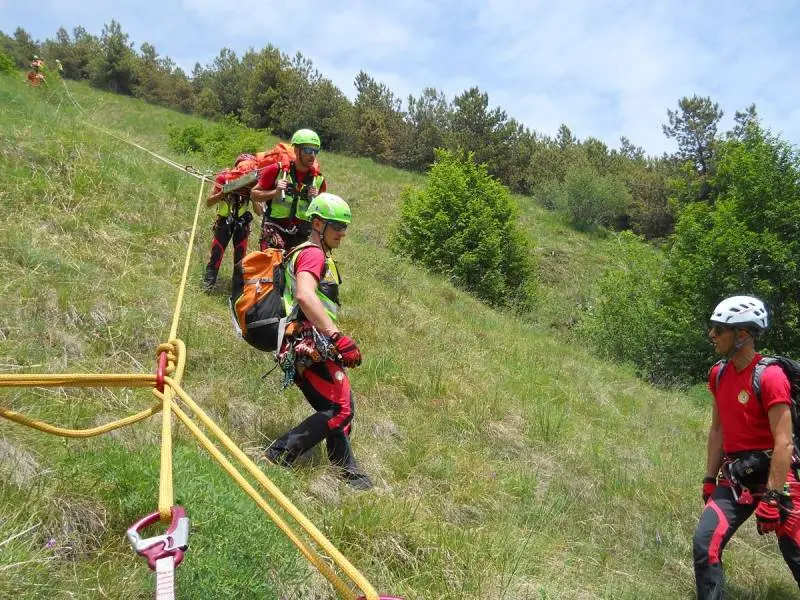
[
  {"x": 720, "y": 519},
  {"x": 224, "y": 229},
  {"x": 326, "y": 387}
]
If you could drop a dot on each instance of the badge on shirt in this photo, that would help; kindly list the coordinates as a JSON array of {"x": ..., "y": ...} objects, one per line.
[{"x": 743, "y": 397}]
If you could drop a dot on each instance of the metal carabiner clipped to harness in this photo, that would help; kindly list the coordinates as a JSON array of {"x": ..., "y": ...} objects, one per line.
[{"x": 171, "y": 544}]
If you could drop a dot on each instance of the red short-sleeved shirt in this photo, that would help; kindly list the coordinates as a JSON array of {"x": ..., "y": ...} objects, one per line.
[
  {"x": 269, "y": 175},
  {"x": 310, "y": 259},
  {"x": 744, "y": 420},
  {"x": 268, "y": 178}
]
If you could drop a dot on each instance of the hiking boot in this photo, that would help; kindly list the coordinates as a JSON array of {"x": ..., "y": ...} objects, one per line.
[
  {"x": 210, "y": 279},
  {"x": 278, "y": 456},
  {"x": 357, "y": 481}
]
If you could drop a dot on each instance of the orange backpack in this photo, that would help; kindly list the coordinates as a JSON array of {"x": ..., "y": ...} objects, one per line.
[{"x": 256, "y": 300}]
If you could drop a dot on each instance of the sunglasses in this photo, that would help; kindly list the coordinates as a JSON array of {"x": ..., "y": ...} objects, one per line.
[
  {"x": 337, "y": 225},
  {"x": 310, "y": 151},
  {"x": 719, "y": 329}
]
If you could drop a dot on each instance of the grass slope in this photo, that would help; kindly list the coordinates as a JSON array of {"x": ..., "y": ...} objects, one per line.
[{"x": 511, "y": 462}]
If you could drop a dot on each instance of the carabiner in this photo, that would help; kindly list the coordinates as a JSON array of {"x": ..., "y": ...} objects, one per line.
[{"x": 173, "y": 543}]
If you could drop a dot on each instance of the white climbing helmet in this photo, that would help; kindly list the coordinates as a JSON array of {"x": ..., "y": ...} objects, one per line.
[{"x": 741, "y": 311}]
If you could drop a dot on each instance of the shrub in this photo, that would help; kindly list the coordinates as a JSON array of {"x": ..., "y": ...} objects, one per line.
[
  {"x": 624, "y": 315},
  {"x": 593, "y": 201},
  {"x": 463, "y": 224},
  {"x": 7, "y": 65},
  {"x": 550, "y": 194},
  {"x": 221, "y": 142}
]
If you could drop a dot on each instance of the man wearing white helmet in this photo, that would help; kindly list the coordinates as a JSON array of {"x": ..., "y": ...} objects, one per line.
[{"x": 750, "y": 449}]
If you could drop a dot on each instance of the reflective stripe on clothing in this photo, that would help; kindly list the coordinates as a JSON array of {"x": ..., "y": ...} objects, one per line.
[
  {"x": 326, "y": 279},
  {"x": 281, "y": 205}
]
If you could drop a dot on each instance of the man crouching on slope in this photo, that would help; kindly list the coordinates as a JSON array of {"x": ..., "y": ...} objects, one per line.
[
  {"x": 750, "y": 461},
  {"x": 315, "y": 352}
]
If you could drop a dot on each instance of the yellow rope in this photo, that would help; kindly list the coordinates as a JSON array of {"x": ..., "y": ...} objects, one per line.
[
  {"x": 273, "y": 490},
  {"x": 78, "y": 433},
  {"x": 77, "y": 380},
  {"x": 165, "y": 487}
]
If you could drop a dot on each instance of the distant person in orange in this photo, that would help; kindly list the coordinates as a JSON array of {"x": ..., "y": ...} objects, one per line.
[{"x": 36, "y": 74}]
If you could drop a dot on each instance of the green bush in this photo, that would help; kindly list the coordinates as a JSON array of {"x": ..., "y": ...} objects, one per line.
[
  {"x": 7, "y": 65},
  {"x": 622, "y": 319},
  {"x": 550, "y": 195},
  {"x": 221, "y": 142},
  {"x": 747, "y": 241},
  {"x": 464, "y": 224},
  {"x": 593, "y": 201}
]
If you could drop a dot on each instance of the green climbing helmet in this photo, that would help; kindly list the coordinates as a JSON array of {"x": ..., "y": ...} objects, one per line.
[
  {"x": 305, "y": 137},
  {"x": 329, "y": 207}
]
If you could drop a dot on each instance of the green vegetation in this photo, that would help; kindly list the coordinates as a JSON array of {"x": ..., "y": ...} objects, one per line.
[
  {"x": 267, "y": 89},
  {"x": 743, "y": 241},
  {"x": 7, "y": 66},
  {"x": 512, "y": 461},
  {"x": 485, "y": 252}
]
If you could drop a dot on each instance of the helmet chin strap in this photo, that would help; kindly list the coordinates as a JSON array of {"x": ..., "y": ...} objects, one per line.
[
  {"x": 321, "y": 235},
  {"x": 738, "y": 344}
]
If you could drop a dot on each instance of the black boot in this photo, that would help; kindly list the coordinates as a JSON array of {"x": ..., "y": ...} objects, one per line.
[
  {"x": 210, "y": 279},
  {"x": 357, "y": 480}
]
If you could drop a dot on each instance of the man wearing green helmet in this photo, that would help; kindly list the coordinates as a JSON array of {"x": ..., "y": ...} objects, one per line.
[
  {"x": 284, "y": 191},
  {"x": 315, "y": 353}
]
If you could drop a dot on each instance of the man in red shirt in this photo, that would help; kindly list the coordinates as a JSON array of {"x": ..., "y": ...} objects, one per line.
[
  {"x": 283, "y": 193},
  {"x": 751, "y": 461},
  {"x": 315, "y": 353}
]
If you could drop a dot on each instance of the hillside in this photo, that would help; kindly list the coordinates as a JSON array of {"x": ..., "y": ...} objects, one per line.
[{"x": 511, "y": 461}]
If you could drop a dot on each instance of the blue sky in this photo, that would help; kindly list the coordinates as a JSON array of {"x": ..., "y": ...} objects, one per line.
[{"x": 605, "y": 68}]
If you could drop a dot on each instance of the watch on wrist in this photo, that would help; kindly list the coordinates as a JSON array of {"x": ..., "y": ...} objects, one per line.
[{"x": 772, "y": 497}]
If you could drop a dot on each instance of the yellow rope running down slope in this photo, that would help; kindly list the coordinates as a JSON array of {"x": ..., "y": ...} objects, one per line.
[{"x": 172, "y": 356}]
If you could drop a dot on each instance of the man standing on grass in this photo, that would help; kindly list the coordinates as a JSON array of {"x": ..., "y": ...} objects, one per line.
[
  {"x": 233, "y": 221},
  {"x": 283, "y": 193},
  {"x": 751, "y": 463},
  {"x": 315, "y": 352}
]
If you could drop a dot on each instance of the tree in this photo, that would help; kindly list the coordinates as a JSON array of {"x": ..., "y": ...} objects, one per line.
[
  {"x": 694, "y": 127},
  {"x": 24, "y": 48},
  {"x": 226, "y": 79},
  {"x": 427, "y": 119},
  {"x": 262, "y": 86},
  {"x": 743, "y": 121},
  {"x": 747, "y": 242},
  {"x": 379, "y": 119},
  {"x": 113, "y": 68},
  {"x": 208, "y": 104}
]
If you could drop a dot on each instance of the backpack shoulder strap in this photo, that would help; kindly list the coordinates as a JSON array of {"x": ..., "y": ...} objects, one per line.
[
  {"x": 722, "y": 364},
  {"x": 758, "y": 371}
]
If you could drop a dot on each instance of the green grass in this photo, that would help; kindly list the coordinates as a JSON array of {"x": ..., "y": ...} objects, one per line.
[{"x": 512, "y": 462}]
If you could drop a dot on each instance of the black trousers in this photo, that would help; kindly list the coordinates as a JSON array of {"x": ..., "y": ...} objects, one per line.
[
  {"x": 326, "y": 387},
  {"x": 720, "y": 519},
  {"x": 239, "y": 230}
]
